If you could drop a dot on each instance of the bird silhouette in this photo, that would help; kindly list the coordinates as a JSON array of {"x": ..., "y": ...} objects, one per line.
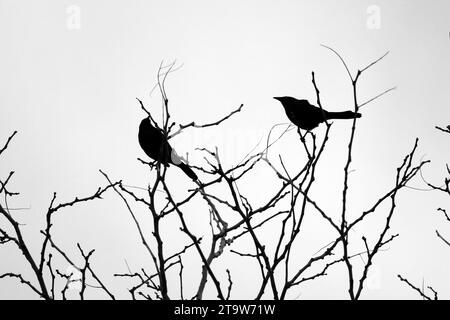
[
  {"x": 156, "y": 146},
  {"x": 306, "y": 116}
]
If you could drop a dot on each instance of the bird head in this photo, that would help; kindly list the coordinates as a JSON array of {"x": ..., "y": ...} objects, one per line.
[
  {"x": 285, "y": 100},
  {"x": 146, "y": 124}
]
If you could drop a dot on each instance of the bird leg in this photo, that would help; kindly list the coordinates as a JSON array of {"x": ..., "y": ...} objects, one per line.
[
  {"x": 302, "y": 138},
  {"x": 152, "y": 164}
]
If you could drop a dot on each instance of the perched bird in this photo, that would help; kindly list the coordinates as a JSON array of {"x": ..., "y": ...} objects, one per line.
[
  {"x": 155, "y": 145},
  {"x": 306, "y": 116}
]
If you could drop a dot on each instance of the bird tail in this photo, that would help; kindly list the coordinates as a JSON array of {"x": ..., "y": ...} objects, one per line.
[
  {"x": 342, "y": 115},
  {"x": 191, "y": 174}
]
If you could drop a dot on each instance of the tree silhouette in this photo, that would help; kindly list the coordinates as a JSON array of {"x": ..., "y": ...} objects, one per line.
[
  {"x": 443, "y": 188},
  {"x": 236, "y": 222}
]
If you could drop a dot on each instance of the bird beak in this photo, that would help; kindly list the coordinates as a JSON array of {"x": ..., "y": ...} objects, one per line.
[{"x": 277, "y": 98}]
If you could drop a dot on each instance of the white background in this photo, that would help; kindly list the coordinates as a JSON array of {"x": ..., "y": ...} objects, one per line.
[{"x": 70, "y": 92}]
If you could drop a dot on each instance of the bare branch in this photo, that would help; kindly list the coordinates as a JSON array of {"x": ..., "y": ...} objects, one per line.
[
  {"x": 22, "y": 280},
  {"x": 342, "y": 60},
  {"x": 442, "y": 238},
  {"x": 376, "y": 97},
  {"x": 194, "y": 125},
  {"x": 422, "y": 294},
  {"x": 7, "y": 142},
  {"x": 446, "y": 130}
]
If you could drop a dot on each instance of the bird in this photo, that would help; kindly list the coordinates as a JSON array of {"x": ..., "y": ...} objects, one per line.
[
  {"x": 307, "y": 116},
  {"x": 156, "y": 146}
]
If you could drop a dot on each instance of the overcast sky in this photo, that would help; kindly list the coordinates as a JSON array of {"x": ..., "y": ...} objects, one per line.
[{"x": 70, "y": 72}]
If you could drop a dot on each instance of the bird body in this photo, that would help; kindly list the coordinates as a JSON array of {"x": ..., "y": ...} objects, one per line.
[
  {"x": 307, "y": 116},
  {"x": 156, "y": 146}
]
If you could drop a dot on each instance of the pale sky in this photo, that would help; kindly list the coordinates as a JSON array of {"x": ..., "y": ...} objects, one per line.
[{"x": 70, "y": 92}]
